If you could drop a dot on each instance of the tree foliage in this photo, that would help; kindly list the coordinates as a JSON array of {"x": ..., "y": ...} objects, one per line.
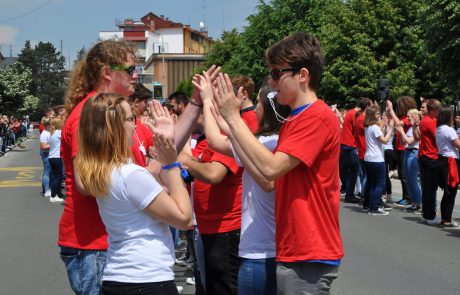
[
  {"x": 47, "y": 68},
  {"x": 362, "y": 40},
  {"x": 14, "y": 90}
]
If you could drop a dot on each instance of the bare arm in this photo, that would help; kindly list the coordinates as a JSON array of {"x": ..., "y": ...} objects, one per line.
[
  {"x": 175, "y": 208},
  {"x": 393, "y": 114},
  {"x": 216, "y": 140},
  {"x": 212, "y": 172},
  {"x": 405, "y": 138},
  {"x": 270, "y": 165},
  {"x": 187, "y": 121}
]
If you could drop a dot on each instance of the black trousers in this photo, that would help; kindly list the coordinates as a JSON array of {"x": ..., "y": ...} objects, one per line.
[
  {"x": 158, "y": 288},
  {"x": 429, "y": 183},
  {"x": 389, "y": 167},
  {"x": 402, "y": 178},
  {"x": 221, "y": 262},
  {"x": 448, "y": 198}
]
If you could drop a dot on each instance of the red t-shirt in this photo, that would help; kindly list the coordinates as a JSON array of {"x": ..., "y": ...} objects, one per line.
[
  {"x": 249, "y": 117},
  {"x": 348, "y": 137},
  {"x": 142, "y": 141},
  {"x": 218, "y": 206},
  {"x": 308, "y": 196},
  {"x": 41, "y": 127},
  {"x": 359, "y": 136},
  {"x": 81, "y": 226},
  {"x": 427, "y": 145},
  {"x": 400, "y": 145}
]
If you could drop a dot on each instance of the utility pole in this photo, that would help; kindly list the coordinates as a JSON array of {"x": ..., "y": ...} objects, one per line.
[{"x": 11, "y": 49}]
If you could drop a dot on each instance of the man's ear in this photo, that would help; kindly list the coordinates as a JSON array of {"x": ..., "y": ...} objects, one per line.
[
  {"x": 304, "y": 76},
  {"x": 105, "y": 73},
  {"x": 245, "y": 95}
]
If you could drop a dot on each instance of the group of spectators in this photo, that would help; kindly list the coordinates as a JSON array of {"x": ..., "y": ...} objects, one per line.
[
  {"x": 12, "y": 132},
  {"x": 256, "y": 187},
  {"x": 422, "y": 143},
  {"x": 50, "y": 152}
]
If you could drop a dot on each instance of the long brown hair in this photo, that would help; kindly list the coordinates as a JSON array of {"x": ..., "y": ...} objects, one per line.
[
  {"x": 86, "y": 74},
  {"x": 102, "y": 141},
  {"x": 370, "y": 117},
  {"x": 405, "y": 103}
]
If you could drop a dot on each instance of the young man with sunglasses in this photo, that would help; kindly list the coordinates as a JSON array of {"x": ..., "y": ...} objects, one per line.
[{"x": 304, "y": 166}]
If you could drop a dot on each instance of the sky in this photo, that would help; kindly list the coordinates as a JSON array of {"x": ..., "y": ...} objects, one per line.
[{"x": 78, "y": 22}]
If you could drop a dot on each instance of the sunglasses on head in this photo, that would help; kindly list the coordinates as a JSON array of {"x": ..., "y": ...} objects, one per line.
[
  {"x": 130, "y": 70},
  {"x": 275, "y": 74}
]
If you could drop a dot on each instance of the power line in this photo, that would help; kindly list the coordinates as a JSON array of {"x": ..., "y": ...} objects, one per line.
[{"x": 26, "y": 13}]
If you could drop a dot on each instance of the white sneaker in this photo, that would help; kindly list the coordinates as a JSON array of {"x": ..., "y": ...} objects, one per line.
[
  {"x": 435, "y": 221},
  {"x": 47, "y": 194},
  {"x": 179, "y": 289},
  {"x": 190, "y": 281},
  {"x": 56, "y": 199}
]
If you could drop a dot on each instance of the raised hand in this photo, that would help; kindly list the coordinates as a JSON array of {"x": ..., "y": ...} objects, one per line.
[
  {"x": 165, "y": 150},
  {"x": 228, "y": 103},
  {"x": 164, "y": 123},
  {"x": 389, "y": 105},
  {"x": 212, "y": 72},
  {"x": 204, "y": 85}
]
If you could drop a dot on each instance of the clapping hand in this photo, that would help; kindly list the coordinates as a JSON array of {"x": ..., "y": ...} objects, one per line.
[
  {"x": 228, "y": 103},
  {"x": 164, "y": 123},
  {"x": 165, "y": 150}
]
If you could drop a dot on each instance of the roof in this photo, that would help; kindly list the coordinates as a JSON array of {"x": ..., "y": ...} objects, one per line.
[{"x": 7, "y": 61}]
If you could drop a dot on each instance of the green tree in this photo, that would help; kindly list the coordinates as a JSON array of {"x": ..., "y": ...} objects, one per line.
[
  {"x": 441, "y": 19},
  {"x": 15, "y": 81},
  {"x": 47, "y": 66},
  {"x": 80, "y": 55}
]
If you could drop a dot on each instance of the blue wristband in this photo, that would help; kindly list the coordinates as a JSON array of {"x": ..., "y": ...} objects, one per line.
[{"x": 175, "y": 164}]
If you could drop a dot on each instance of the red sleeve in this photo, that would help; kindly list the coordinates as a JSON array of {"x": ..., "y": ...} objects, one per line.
[
  {"x": 41, "y": 127},
  {"x": 308, "y": 137},
  {"x": 228, "y": 162}
]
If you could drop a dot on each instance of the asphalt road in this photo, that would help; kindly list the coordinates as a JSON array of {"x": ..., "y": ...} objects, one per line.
[{"x": 393, "y": 254}]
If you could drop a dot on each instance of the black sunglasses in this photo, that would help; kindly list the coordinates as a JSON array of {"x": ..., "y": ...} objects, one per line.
[
  {"x": 130, "y": 70},
  {"x": 276, "y": 73}
]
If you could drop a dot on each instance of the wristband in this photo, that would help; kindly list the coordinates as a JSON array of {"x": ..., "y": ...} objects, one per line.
[
  {"x": 184, "y": 174},
  {"x": 172, "y": 165},
  {"x": 196, "y": 104}
]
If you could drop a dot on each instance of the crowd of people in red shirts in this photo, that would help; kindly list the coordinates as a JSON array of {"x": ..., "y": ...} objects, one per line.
[
  {"x": 263, "y": 178},
  {"x": 421, "y": 143}
]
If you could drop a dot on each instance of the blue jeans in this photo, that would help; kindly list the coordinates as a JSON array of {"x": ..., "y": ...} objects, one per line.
[
  {"x": 362, "y": 176},
  {"x": 257, "y": 276},
  {"x": 46, "y": 171},
  {"x": 411, "y": 170},
  {"x": 350, "y": 167},
  {"x": 84, "y": 269},
  {"x": 375, "y": 174}
]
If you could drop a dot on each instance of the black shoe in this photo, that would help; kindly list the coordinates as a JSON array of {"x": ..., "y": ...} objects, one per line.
[
  {"x": 413, "y": 208},
  {"x": 353, "y": 200}
]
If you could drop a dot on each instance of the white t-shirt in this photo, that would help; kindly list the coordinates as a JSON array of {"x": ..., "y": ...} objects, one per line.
[
  {"x": 444, "y": 137},
  {"x": 257, "y": 239},
  {"x": 55, "y": 144},
  {"x": 389, "y": 144},
  {"x": 140, "y": 249},
  {"x": 45, "y": 136},
  {"x": 374, "y": 147},
  {"x": 410, "y": 133}
]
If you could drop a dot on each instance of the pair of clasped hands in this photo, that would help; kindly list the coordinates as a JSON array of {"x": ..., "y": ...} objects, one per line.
[{"x": 213, "y": 89}]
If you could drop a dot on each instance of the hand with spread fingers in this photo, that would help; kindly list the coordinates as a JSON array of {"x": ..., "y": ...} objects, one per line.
[
  {"x": 165, "y": 150},
  {"x": 228, "y": 103},
  {"x": 212, "y": 73},
  {"x": 164, "y": 123},
  {"x": 204, "y": 85}
]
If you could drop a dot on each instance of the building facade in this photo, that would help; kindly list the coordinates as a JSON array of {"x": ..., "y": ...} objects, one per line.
[{"x": 167, "y": 52}]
